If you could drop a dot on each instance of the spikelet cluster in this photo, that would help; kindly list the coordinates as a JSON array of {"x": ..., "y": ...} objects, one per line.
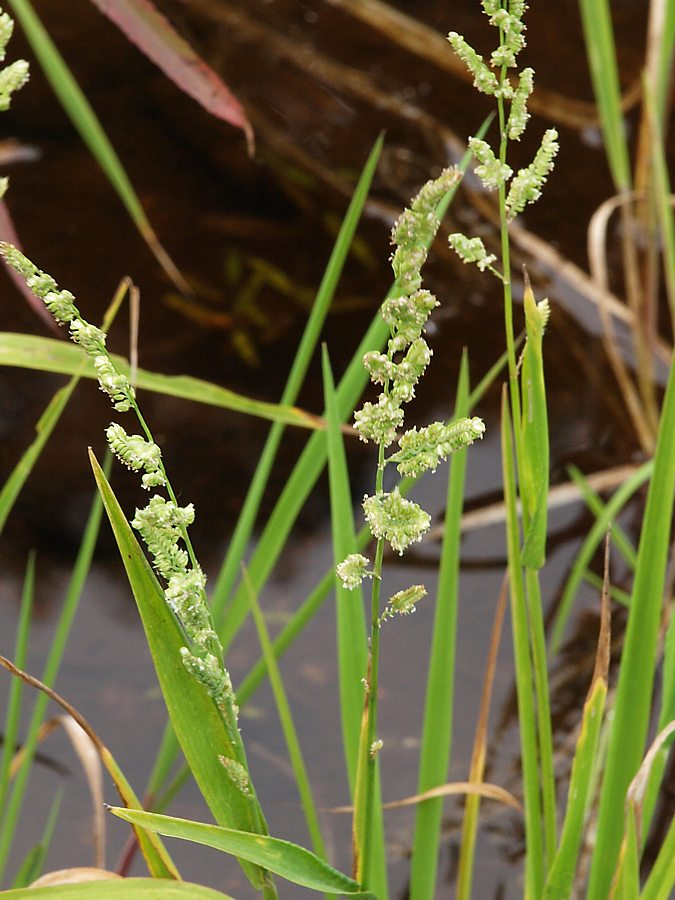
[
  {"x": 391, "y": 517},
  {"x": 492, "y": 169}
]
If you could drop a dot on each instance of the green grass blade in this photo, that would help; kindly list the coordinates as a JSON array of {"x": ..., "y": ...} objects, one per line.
[
  {"x": 438, "y": 708},
  {"x": 661, "y": 880},
  {"x": 123, "y": 889},
  {"x": 13, "y": 715},
  {"x": 601, "y": 53},
  {"x": 289, "y": 730},
  {"x": 49, "y": 355},
  {"x": 661, "y": 196},
  {"x": 352, "y": 646},
  {"x": 534, "y": 858},
  {"x": 620, "y": 539},
  {"x": 33, "y": 863},
  {"x": 290, "y": 861},
  {"x": 229, "y": 572},
  {"x": 560, "y": 879},
  {"x": 44, "y": 428},
  {"x": 636, "y": 675},
  {"x": 83, "y": 117},
  {"x": 351, "y": 620},
  {"x": 14, "y": 803},
  {"x": 200, "y": 729},
  {"x": 591, "y": 543}
]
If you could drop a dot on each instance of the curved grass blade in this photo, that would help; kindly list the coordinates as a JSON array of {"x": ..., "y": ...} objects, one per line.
[
  {"x": 29, "y": 351},
  {"x": 199, "y": 728},
  {"x": 158, "y": 860},
  {"x": 154, "y": 35},
  {"x": 288, "y": 860},
  {"x": 87, "y": 124},
  {"x": 123, "y": 889}
]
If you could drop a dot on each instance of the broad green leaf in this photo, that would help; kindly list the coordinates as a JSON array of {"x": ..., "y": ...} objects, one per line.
[
  {"x": 199, "y": 728},
  {"x": 123, "y": 889},
  {"x": 288, "y": 860},
  {"x": 28, "y": 351}
]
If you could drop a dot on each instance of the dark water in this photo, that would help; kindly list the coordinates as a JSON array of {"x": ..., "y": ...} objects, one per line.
[{"x": 221, "y": 215}]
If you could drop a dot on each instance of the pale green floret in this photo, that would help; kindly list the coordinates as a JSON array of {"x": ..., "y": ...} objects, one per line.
[
  {"x": 378, "y": 421},
  {"x": 185, "y": 595},
  {"x": 519, "y": 115},
  {"x": 395, "y": 519},
  {"x": 425, "y": 449},
  {"x": 406, "y": 317},
  {"x": 209, "y": 672},
  {"x": 409, "y": 371},
  {"x": 404, "y": 602},
  {"x": 518, "y": 8},
  {"x": 136, "y": 453},
  {"x": 4, "y": 184},
  {"x": 89, "y": 337},
  {"x": 380, "y": 367},
  {"x": 352, "y": 570},
  {"x": 526, "y": 186},
  {"x": 6, "y": 29},
  {"x": 237, "y": 775},
  {"x": 490, "y": 170},
  {"x": 471, "y": 250},
  {"x": 484, "y": 78},
  {"x": 161, "y": 524},
  {"x": 407, "y": 262},
  {"x": 60, "y": 304},
  {"x": 12, "y": 78},
  {"x": 432, "y": 192},
  {"x": 490, "y": 7},
  {"x": 513, "y": 40},
  {"x": 115, "y": 385}
]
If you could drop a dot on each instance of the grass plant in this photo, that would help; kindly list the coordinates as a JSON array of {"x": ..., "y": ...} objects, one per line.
[{"x": 619, "y": 760}]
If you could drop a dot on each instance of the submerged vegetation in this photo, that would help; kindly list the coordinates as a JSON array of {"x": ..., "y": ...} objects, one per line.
[{"x": 586, "y": 828}]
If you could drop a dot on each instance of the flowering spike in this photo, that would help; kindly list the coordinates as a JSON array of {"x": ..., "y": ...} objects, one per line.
[
  {"x": 137, "y": 454},
  {"x": 425, "y": 449},
  {"x": 484, "y": 80},
  {"x": 12, "y": 78},
  {"x": 490, "y": 170},
  {"x": 526, "y": 186},
  {"x": 519, "y": 115},
  {"x": 161, "y": 524},
  {"x": 378, "y": 421},
  {"x": 397, "y": 520},
  {"x": 352, "y": 570},
  {"x": 472, "y": 250},
  {"x": 403, "y": 603},
  {"x": 6, "y": 29}
]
